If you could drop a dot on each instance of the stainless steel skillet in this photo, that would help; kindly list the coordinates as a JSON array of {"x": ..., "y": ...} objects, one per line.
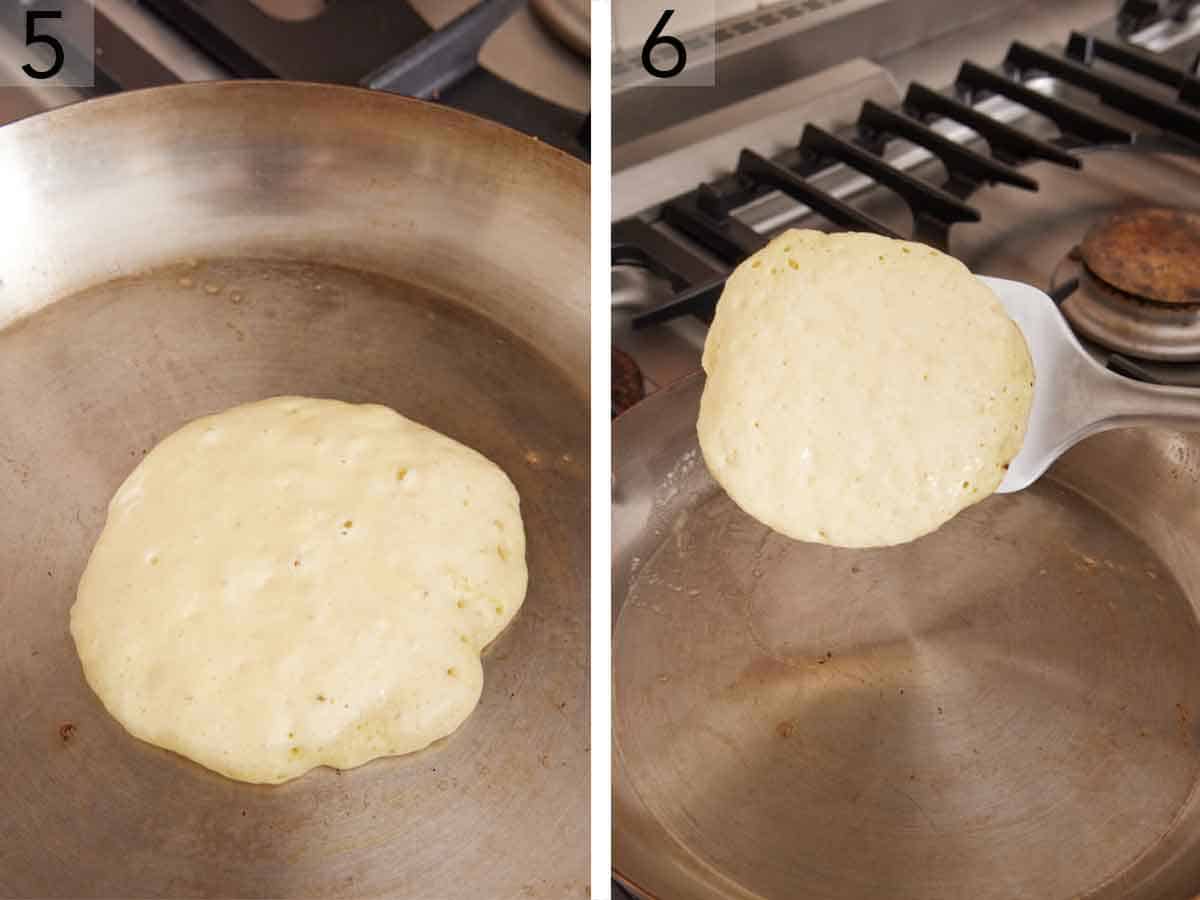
[
  {"x": 168, "y": 253},
  {"x": 1005, "y": 708}
]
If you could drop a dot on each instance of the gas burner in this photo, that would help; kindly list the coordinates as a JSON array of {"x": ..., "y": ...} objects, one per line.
[
  {"x": 1133, "y": 284},
  {"x": 1150, "y": 253}
]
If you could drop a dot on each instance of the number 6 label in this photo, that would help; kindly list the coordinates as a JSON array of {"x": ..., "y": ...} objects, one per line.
[
  {"x": 658, "y": 39},
  {"x": 667, "y": 46},
  {"x": 50, "y": 45}
]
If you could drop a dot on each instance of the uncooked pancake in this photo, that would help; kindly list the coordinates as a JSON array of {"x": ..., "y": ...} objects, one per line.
[
  {"x": 861, "y": 390},
  {"x": 299, "y": 582}
]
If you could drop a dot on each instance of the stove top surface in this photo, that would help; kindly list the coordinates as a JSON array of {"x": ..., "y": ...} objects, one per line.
[
  {"x": 1023, "y": 225},
  {"x": 528, "y": 78}
]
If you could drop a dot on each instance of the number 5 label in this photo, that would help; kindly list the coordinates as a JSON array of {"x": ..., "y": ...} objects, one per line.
[
  {"x": 52, "y": 44},
  {"x": 32, "y": 37}
]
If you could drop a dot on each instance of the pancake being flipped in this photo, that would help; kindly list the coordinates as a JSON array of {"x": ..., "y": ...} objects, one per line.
[
  {"x": 299, "y": 582},
  {"x": 861, "y": 390}
]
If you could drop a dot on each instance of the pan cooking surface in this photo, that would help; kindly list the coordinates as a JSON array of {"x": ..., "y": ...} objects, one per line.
[
  {"x": 89, "y": 385},
  {"x": 1003, "y": 708}
]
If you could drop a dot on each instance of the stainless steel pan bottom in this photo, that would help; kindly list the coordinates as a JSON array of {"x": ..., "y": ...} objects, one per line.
[
  {"x": 87, "y": 386},
  {"x": 1005, "y": 708}
]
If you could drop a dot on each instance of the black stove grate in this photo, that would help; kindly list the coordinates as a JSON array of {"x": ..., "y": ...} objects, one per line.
[
  {"x": 1172, "y": 117},
  {"x": 344, "y": 42},
  {"x": 350, "y": 41},
  {"x": 707, "y": 215}
]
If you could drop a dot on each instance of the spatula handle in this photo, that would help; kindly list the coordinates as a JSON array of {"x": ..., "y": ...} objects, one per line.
[{"x": 1126, "y": 403}]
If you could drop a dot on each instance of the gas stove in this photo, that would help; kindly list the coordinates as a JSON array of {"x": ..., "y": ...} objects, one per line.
[
  {"x": 1056, "y": 146},
  {"x": 522, "y": 65}
]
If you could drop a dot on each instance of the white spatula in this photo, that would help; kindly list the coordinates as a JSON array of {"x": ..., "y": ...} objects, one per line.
[{"x": 1074, "y": 396}]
